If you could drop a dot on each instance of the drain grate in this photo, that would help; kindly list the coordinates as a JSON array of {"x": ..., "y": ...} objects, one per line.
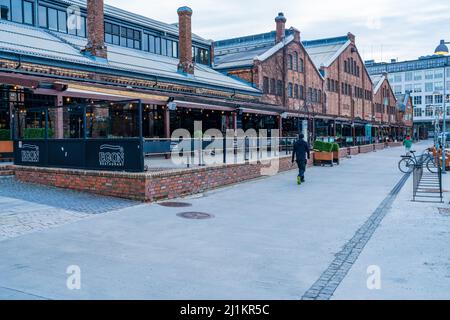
[
  {"x": 195, "y": 215},
  {"x": 175, "y": 204}
]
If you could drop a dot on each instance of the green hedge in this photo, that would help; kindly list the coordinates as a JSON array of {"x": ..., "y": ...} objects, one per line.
[
  {"x": 36, "y": 133},
  {"x": 5, "y": 135},
  {"x": 325, "y": 146}
]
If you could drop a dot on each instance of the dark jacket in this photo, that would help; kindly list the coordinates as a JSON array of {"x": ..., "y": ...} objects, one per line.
[{"x": 301, "y": 149}]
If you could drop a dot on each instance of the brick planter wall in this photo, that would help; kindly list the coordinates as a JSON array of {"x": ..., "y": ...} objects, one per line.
[
  {"x": 353, "y": 151},
  {"x": 395, "y": 144},
  {"x": 379, "y": 146},
  {"x": 152, "y": 186},
  {"x": 343, "y": 152},
  {"x": 366, "y": 148}
]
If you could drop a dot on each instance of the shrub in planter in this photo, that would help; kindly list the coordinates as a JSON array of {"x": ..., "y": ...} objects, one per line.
[
  {"x": 323, "y": 152},
  {"x": 323, "y": 146},
  {"x": 36, "y": 133},
  {"x": 5, "y": 135}
]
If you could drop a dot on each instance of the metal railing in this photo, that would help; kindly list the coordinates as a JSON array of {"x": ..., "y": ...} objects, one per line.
[
  {"x": 217, "y": 150},
  {"x": 427, "y": 186}
]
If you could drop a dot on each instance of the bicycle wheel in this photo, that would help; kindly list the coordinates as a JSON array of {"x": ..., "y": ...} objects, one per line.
[
  {"x": 432, "y": 165},
  {"x": 406, "y": 165}
]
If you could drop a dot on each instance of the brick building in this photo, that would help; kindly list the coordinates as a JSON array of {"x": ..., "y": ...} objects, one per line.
[{"x": 322, "y": 81}]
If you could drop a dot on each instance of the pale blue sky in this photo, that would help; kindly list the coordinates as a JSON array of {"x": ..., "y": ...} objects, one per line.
[{"x": 384, "y": 29}]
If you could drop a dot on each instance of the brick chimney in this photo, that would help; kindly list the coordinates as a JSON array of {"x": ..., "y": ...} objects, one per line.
[
  {"x": 351, "y": 37},
  {"x": 281, "y": 26},
  {"x": 186, "y": 64},
  {"x": 296, "y": 34},
  {"x": 95, "y": 29}
]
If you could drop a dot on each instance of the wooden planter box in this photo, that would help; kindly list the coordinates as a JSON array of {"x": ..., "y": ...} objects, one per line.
[
  {"x": 322, "y": 158},
  {"x": 6, "y": 150},
  {"x": 336, "y": 156}
]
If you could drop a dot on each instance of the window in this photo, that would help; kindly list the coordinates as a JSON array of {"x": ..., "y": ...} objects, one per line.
[
  {"x": 43, "y": 17},
  {"x": 302, "y": 92},
  {"x": 319, "y": 96},
  {"x": 290, "y": 62},
  {"x": 290, "y": 90},
  {"x": 112, "y": 33},
  {"x": 296, "y": 91},
  {"x": 328, "y": 84},
  {"x": 279, "y": 88},
  {"x": 201, "y": 56},
  {"x": 429, "y": 75},
  {"x": 439, "y": 74},
  {"x": 428, "y": 111},
  {"x": 417, "y": 100},
  {"x": 417, "y": 112},
  {"x": 428, "y": 86},
  {"x": 408, "y": 88},
  {"x": 130, "y": 38},
  {"x": 408, "y": 76},
  {"x": 428, "y": 99},
  {"x": 301, "y": 67},
  {"x": 266, "y": 85},
  {"x": 417, "y": 75},
  {"x": 439, "y": 86},
  {"x": 398, "y": 78},
  {"x": 5, "y": 7},
  {"x": 272, "y": 86},
  {"x": 28, "y": 12},
  {"x": 16, "y": 11},
  {"x": 62, "y": 21},
  {"x": 295, "y": 61},
  {"x": 52, "y": 19},
  {"x": 397, "y": 89},
  {"x": 438, "y": 99},
  {"x": 417, "y": 87}
]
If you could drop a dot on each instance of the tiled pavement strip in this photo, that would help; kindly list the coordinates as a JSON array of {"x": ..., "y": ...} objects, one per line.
[
  {"x": 331, "y": 278},
  {"x": 26, "y": 208}
]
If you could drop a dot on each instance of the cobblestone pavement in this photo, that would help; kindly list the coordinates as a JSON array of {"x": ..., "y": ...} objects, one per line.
[{"x": 26, "y": 208}]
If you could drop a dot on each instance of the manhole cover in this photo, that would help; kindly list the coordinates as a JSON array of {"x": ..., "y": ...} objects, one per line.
[
  {"x": 195, "y": 215},
  {"x": 175, "y": 204}
]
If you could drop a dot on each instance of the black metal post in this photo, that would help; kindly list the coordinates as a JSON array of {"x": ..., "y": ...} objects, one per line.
[{"x": 225, "y": 148}]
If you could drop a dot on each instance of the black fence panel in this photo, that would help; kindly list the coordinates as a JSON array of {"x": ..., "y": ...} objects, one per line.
[{"x": 90, "y": 154}]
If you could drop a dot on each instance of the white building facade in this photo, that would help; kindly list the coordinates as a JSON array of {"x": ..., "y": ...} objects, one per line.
[{"x": 428, "y": 81}]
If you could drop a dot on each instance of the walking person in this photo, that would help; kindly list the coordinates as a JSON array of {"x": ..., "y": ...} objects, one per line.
[
  {"x": 301, "y": 154},
  {"x": 408, "y": 144}
]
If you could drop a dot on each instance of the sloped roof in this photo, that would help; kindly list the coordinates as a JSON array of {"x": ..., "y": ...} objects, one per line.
[
  {"x": 324, "y": 51},
  {"x": 377, "y": 80},
  {"x": 124, "y": 15},
  {"x": 57, "y": 48}
]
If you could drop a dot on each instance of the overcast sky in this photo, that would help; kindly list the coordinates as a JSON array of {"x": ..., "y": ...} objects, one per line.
[{"x": 384, "y": 29}]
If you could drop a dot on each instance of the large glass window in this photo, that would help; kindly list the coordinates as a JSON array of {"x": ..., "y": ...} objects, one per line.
[
  {"x": 429, "y": 75},
  {"x": 438, "y": 99},
  {"x": 201, "y": 55},
  {"x": 417, "y": 112},
  {"x": 112, "y": 33},
  {"x": 28, "y": 12},
  {"x": 417, "y": 75},
  {"x": 418, "y": 100},
  {"x": 439, "y": 86},
  {"x": 429, "y": 87},
  {"x": 43, "y": 17},
  {"x": 52, "y": 19},
  {"x": 62, "y": 21},
  {"x": 428, "y": 111},
  {"x": 130, "y": 38},
  {"x": 428, "y": 99},
  {"x": 16, "y": 11},
  {"x": 408, "y": 76},
  {"x": 417, "y": 87}
]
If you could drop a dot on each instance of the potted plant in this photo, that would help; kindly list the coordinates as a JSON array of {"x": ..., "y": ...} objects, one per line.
[
  {"x": 323, "y": 153},
  {"x": 6, "y": 145}
]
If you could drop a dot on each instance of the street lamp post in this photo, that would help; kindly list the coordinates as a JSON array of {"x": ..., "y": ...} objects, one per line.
[{"x": 442, "y": 49}]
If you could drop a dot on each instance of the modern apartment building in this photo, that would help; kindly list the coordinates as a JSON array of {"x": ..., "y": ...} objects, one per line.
[{"x": 427, "y": 79}]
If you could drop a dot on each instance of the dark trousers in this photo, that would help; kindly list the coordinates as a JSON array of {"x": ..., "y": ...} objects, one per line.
[{"x": 301, "y": 168}]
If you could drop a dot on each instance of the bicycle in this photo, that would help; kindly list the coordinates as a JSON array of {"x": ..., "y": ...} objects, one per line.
[{"x": 408, "y": 162}]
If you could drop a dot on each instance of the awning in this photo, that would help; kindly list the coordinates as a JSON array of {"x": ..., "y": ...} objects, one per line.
[
  {"x": 204, "y": 106},
  {"x": 87, "y": 91},
  {"x": 262, "y": 112}
]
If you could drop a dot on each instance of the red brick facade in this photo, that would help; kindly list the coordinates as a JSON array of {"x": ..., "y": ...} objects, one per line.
[
  {"x": 351, "y": 93},
  {"x": 96, "y": 29},
  {"x": 384, "y": 103},
  {"x": 185, "y": 40}
]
